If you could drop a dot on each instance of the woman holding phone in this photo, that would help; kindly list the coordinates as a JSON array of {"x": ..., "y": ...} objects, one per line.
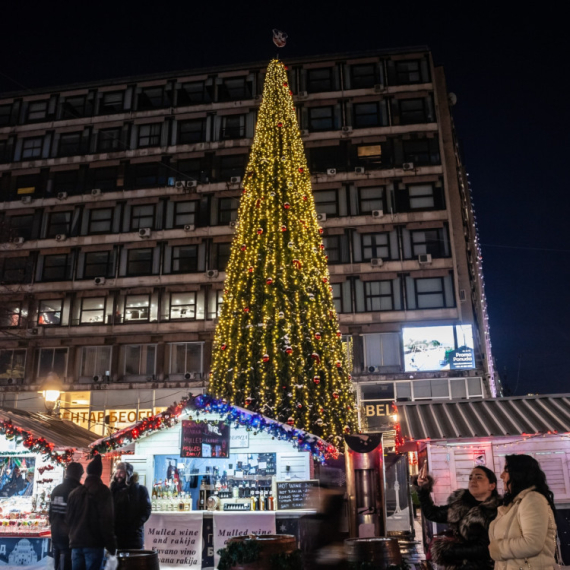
[{"x": 468, "y": 514}]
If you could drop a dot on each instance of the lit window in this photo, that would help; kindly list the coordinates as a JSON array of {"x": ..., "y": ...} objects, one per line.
[
  {"x": 49, "y": 312},
  {"x": 137, "y": 308}
]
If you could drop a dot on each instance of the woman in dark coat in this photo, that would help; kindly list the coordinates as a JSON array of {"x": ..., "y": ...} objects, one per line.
[{"x": 468, "y": 514}]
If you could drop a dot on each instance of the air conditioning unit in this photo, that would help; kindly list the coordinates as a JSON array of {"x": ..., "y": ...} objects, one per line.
[
  {"x": 346, "y": 129},
  {"x": 408, "y": 166},
  {"x": 18, "y": 240},
  {"x": 13, "y": 381},
  {"x": 373, "y": 369},
  {"x": 99, "y": 281},
  {"x": 424, "y": 258},
  {"x": 302, "y": 94},
  {"x": 305, "y": 133},
  {"x": 191, "y": 183},
  {"x": 235, "y": 179},
  {"x": 60, "y": 237},
  {"x": 33, "y": 332},
  {"x": 145, "y": 232},
  {"x": 100, "y": 378},
  {"x": 233, "y": 224},
  {"x": 212, "y": 273},
  {"x": 180, "y": 184},
  {"x": 331, "y": 171},
  {"x": 379, "y": 87},
  {"x": 360, "y": 170},
  {"x": 377, "y": 262},
  {"x": 321, "y": 217},
  {"x": 191, "y": 376},
  {"x": 96, "y": 192},
  {"x": 61, "y": 195},
  {"x": 189, "y": 227},
  {"x": 377, "y": 213},
  {"x": 27, "y": 199}
]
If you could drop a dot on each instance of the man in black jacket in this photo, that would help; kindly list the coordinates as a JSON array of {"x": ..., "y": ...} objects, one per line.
[
  {"x": 132, "y": 507},
  {"x": 57, "y": 513},
  {"x": 91, "y": 520}
]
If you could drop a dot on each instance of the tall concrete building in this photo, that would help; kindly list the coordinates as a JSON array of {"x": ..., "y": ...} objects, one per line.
[{"x": 117, "y": 206}]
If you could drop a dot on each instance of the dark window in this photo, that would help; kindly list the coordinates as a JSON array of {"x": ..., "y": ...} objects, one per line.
[
  {"x": 100, "y": 221},
  {"x": 430, "y": 293},
  {"x": 413, "y": 111},
  {"x": 66, "y": 181},
  {"x": 10, "y": 314},
  {"x": 337, "y": 297},
  {"x": 332, "y": 248},
  {"x": 326, "y": 202},
  {"x": 139, "y": 262},
  {"x": 421, "y": 197},
  {"x": 103, "y": 178},
  {"x": 233, "y": 127},
  {"x": 12, "y": 363},
  {"x": 74, "y": 107},
  {"x": 227, "y": 210},
  {"x": 320, "y": 79},
  {"x": 193, "y": 131},
  {"x": 5, "y": 114},
  {"x": 222, "y": 253},
  {"x": 370, "y": 199},
  {"x": 52, "y": 360},
  {"x": 59, "y": 223},
  {"x": 363, "y": 76},
  {"x": 321, "y": 118},
  {"x": 112, "y": 103},
  {"x": 140, "y": 359},
  {"x": 32, "y": 147},
  {"x": 368, "y": 115},
  {"x": 147, "y": 175},
  {"x": 153, "y": 98},
  {"x": 98, "y": 264},
  {"x": 69, "y": 144},
  {"x": 232, "y": 165},
  {"x": 185, "y": 213},
  {"x": 142, "y": 217},
  {"x": 21, "y": 226},
  {"x": 194, "y": 93},
  {"x": 185, "y": 259},
  {"x": 324, "y": 157},
  {"x": 378, "y": 295},
  {"x": 215, "y": 302},
  {"x": 183, "y": 305},
  {"x": 137, "y": 307},
  {"x": 375, "y": 246},
  {"x": 49, "y": 312},
  {"x": 92, "y": 310},
  {"x": 149, "y": 135},
  {"x": 433, "y": 242},
  {"x": 5, "y": 152},
  {"x": 421, "y": 152},
  {"x": 28, "y": 184},
  {"x": 408, "y": 72},
  {"x": 37, "y": 110},
  {"x": 234, "y": 89},
  {"x": 109, "y": 140},
  {"x": 57, "y": 267},
  {"x": 16, "y": 269},
  {"x": 192, "y": 169}
]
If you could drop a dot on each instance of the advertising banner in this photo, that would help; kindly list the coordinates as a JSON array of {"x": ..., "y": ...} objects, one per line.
[{"x": 204, "y": 439}]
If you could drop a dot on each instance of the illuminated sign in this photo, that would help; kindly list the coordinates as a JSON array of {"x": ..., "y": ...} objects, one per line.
[
  {"x": 106, "y": 416},
  {"x": 378, "y": 414}
]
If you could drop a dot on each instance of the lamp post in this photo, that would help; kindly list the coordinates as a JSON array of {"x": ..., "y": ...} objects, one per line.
[{"x": 51, "y": 391}]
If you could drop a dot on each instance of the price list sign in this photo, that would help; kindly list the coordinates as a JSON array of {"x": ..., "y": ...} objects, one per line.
[
  {"x": 292, "y": 495},
  {"x": 204, "y": 439}
]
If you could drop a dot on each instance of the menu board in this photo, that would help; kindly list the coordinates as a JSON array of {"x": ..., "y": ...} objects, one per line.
[
  {"x": 293, "y": 495},
  {"x": 204, "y": 439}
]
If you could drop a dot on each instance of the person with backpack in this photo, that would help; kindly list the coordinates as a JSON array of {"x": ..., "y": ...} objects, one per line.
[{"x": 90, "y": 518}]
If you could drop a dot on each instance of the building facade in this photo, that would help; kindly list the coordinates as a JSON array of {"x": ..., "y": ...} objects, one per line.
[{"x": 117, "y": 206}]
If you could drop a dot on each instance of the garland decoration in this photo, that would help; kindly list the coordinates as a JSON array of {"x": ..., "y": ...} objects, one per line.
[{"x": 204, "y": 404}]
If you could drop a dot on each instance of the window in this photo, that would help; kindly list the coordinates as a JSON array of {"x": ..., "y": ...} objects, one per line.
[
  {"x": 100, "y": 221},
  {"x": 414, "y": 111},
  {"x": 421, "y": 197},
  {"x": 137, "y": 308},
  {"x": 140, "y": 359},
  {"x": 194, "y": 93},
  {"x": 337, "y": 297},
  {"x": 233, "y": 127},
  {"x": 193, "y": 168},
  {"x": 112, "y": 103},
  {"x": 92, "y": 310},
  {"x": 49, "y": 312},
  {"x": 321, "y": 118},
  {"x": 382, "y": 352},
  {"x": 185, "y": 213},
  {"x": 428, "y": 389},
  {"x": 234, "y": 89},
  {"x": 433, "y": 242},
  {"x": 325, "y": 157},
  {"x": 148, "y": 174},
  {"x": 370, "y": 199},
  {"x": 32, "y": 147},
  {"x": 222, "y": 253},
  {"x": 58, "y": 223},
  {"x": 12, "y": 363},
  {"x": 421, "y": 151},
  {"x": 232, "y": 165},
  {"x": 326, "y": 202},
  {"x": 21, "y": 226},
  {"x": 139, "y": 262},
  {"x": 153, "y": 98},
  {"x": 332, "y": 248},
  {"x": 215, "y": 302},
  {"x": 183, "y": 305},
  {"x": 193, "y": 131},
  {"x": 375, "y": 246},
  {"x": 5, "y": 152},
  {"x": 28, "y": 183},
  {"x": 149, "y": 135},
  {"x": 5, "y": 115},
  {"x": 378, "y": 295},
  {"x": 98, "y": 264},
  {"x": 363, "y": 76},
  {"x": 57, "y": 267},
  {"x": 103, "y": 178},
  {"x": 95, "y": 361},
  {"x": 109, "y": 140},
  {"x": 74, "y": 107},
  {"x": 320, "y": 79},
  {"x": 142, "y": 217},
  {"x": 69, "y": 144},
  {"x": 16, "y": 269},
  {"x": 408, "y": 72},
  {"x": 66, "y": 181},
  {"x": 185, "y": 259},
  {"x": 10, "y": 314},
  {"x": 227, "y": 210},
  {"x": 37, "y": 110},
  {"x": 369, "y": 115},
  {"x": 52, "y": 360},
  {"x": 430, "y": 293},
  {"x": 185, "y": 357}
]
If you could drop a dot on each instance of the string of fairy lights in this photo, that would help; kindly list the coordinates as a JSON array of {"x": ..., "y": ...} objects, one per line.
[{"x": 277, "y": 347}]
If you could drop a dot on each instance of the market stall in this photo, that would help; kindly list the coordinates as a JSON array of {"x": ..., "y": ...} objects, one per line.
[
  {"x": 216, "y": 471},
  {"x": 34, "y": 449}
]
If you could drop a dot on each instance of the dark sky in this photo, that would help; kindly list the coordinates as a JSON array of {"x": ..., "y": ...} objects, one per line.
[{"x": 508, "y": 67}]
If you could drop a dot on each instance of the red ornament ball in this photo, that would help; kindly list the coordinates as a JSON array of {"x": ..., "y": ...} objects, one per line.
[
  {"x": 248, "y": 401},
  {"x": 305, "y": 198},
  {"x": 250, "y": 269},
  {"x": 299, "y": 405},
  {"x": 279, "y": 124},
  {"x": 346, "y": 429},
  {"x": 265, "y": 358},
  {"x": 321, "y": 230},
  {"x": 338, "y": 363},
  {"x": 287, "y": 206},
  {"x": 288, "y": 350},
  {"x": 301, "y": 169},
  {"x": 339, "y": 334},
  {"x": 259, "y": 231},
  {"x": 285, "y": 84},
  {"x": 317, "y": 380},
  {"x": 325, "y": 280},
  {"x": 318, "y": 336},
  {"x": 286, "y": 67},
  {"x": 291, "y": 421},
  {"x": 243, "y": 247},
  {"x": 322, "y": 246},
  {"x": 269, "y": 280},
  {"x": 315, "y": 356},
  {"x": 224, "y": 346},
  {"x": 335, "y": 395},
  {"x": 290, "y": 92},
  {"x": 246, "y": 309},
  {"x": 283, "y": 228}
]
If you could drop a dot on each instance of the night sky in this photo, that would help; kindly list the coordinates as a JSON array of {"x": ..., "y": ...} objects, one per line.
[{"x": 508, "y": 67}]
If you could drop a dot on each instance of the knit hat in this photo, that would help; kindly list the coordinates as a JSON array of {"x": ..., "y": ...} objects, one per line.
[
  {"x": 95, "y": 467},
  {"x": 74, "y": 471},
  {"x": 127, "y": 468}
]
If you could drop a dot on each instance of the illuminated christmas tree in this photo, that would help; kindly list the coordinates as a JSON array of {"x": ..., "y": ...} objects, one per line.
[{"x": 277, "y": 348}]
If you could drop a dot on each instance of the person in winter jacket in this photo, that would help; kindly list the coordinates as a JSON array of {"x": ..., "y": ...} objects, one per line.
[
  {"x": 90, "y": 519},
  {"x": 132, "y": 507},
  {"x": 57, "y": 514},
  {"x": 468, "y": 514},
  {"x": 524, "y": 533}
]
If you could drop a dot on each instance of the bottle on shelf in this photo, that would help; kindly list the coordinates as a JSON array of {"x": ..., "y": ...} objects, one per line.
[
  {"x": 181, "y": 502},
  {"x": 271, "y": 501},
  {"x": 202, "y": 499},
  {"x": 261, "y": 499},
  {"x": 252, "y": 501}
]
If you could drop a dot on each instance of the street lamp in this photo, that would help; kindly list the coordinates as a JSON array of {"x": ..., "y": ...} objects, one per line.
[{"x": 51, "y": 391}]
